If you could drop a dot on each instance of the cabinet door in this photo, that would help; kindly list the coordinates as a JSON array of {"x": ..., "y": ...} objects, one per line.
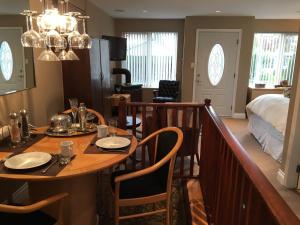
[
  {"x": 76, "y": 78},
  {"x": 96, "y": 88},
  {"x": 105, "y": 76}
]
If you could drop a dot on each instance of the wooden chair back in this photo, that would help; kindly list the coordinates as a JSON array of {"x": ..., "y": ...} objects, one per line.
[
  {"x": 167, "y": 143},
  {"x": 37, "y": 206},
  {"x": 154, "y": 116}
]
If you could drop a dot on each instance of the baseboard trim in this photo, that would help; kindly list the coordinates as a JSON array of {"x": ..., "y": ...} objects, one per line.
[
  {"x": 239, "y": 116},
  {"x": 280, "y": 177}
]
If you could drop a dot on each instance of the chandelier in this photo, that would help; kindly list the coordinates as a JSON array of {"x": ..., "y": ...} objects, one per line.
[{"x": 57, "y": 32}]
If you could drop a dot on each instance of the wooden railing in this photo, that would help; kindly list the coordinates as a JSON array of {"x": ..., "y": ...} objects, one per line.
[
  {"x": 234, "y": 189},
  {"x": 158, "y": 115}
]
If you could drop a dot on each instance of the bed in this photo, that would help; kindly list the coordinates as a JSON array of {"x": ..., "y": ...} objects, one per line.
[{"x": 267, "y": 116}]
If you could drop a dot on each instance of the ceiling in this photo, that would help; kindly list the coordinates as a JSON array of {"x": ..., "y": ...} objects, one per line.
[{"x": 167, "y": 9}]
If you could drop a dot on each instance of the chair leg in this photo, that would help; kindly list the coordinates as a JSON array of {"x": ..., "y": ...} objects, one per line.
[{"x": 168, "y": 216}]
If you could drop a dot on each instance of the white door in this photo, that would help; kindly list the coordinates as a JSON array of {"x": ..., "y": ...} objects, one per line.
[
  {"x": 216, "y": 57},
  {"x": 12, "y": 70}
]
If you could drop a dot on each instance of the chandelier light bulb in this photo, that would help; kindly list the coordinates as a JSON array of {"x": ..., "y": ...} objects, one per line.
[
  {"x": 67, "y": 24},
  {"x": 50, "y": 20}
]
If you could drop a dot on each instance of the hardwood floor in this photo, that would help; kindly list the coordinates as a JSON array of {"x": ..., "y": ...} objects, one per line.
[{"x": 195, "y": 203}]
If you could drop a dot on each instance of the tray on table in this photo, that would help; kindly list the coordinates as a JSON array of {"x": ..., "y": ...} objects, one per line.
[{"x": 91, "y": 128}]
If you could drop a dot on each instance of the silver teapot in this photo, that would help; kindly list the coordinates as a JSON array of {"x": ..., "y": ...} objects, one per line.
[{"x": 60, "y": 123}]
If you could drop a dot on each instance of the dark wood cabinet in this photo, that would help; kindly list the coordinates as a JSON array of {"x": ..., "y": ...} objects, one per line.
[{"x": 89, "y": 78}]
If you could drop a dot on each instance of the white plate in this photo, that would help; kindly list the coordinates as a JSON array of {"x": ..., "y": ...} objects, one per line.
[
  {"x": 27, "y": 160},
  {"x": 113, "y": 142}
]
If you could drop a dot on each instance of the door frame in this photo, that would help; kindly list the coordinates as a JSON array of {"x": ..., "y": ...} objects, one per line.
[{"x": 239, "y": 31}]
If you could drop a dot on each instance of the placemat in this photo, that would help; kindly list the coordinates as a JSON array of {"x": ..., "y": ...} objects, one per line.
[
  {"x": 94, "y": 149},
  {"x": 52, "y": 171},
  {"x": 5, "y": 145}
]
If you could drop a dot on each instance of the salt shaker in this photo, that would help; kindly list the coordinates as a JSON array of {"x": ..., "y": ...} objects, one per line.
[
  {"x": 82, "y": 116},
  {"x": 25, "y": 134},
  {"x": 14, "y": 129}
]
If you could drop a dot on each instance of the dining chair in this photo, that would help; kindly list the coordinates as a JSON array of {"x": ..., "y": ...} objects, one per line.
[
  {"x": 100, "y": 118},
  {"x": 152, "y": 184},
  {"x": 32, "y": 214}
]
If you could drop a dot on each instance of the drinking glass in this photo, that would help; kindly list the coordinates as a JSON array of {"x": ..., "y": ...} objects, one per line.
[
  {"x": 48, "y": 55},
  {"x": 54, "y": 39},
  {"x": 74, "y": 108},
  {"x": 113, "y": 123},
  {"x": 30, "y": 38},
  {"x": 71, "y": 54},
  {"x": 74, "y": 39},
  {"x": 66, "y": 152},
  {"x": 63, "y": 55},
  {"x": 42, "y": 40},
  {"x": 85, "y": 38}
]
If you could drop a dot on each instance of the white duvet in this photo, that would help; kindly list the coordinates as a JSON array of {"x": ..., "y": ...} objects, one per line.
[{"x": 272, "y": 108}]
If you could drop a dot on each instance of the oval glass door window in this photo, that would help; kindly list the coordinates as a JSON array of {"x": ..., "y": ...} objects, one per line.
[
  {"x": 216, "y": 64},
  {"x": 6, "y": 60}
]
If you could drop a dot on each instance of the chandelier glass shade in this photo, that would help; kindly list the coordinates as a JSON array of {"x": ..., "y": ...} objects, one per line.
[{"x": 57, "y": 32}]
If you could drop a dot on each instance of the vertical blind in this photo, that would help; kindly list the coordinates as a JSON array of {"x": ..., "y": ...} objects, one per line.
[
  {"x": 273, "y": 58},
  {"x": 151, "y": 57}
]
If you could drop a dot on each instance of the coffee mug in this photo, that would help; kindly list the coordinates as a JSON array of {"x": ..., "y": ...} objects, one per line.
[{"x": 102, "y": 131}]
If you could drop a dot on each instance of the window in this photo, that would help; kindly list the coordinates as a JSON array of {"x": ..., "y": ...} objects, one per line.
[
  {"x": 151, "y": 57},
  {"x": 273, "y": 58},
  {"x": 6, "y": 60},
  {"x": 216, "y": 64}
]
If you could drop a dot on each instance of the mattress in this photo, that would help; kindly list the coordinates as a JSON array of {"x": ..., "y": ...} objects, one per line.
[
  {"x": 270, "y": 138},
  {"x": 272, "y": 108}
]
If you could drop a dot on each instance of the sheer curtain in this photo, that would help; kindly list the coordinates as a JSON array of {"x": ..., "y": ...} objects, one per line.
[
  {"x": 151, "y": 57},
  {"x": 273, "y": 58}
]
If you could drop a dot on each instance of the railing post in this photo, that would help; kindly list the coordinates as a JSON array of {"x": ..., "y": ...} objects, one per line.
[{"x": 207, "y": 102}]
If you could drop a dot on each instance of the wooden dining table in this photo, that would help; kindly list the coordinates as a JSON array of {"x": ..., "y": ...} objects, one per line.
[{"x": 78, "y": 178}]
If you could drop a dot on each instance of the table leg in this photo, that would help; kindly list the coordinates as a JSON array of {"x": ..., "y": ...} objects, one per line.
[{"x": 79, "y": 207}]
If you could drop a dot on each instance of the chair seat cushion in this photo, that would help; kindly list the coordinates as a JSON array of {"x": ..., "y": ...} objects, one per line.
[
  {"x": 163, "y": 99},
  {"x": 34, "y": 218},
  {"x": 142, "y": 186}
]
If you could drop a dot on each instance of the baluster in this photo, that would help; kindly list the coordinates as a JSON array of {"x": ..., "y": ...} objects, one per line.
[
  {"x": 234, "y": 205},
  {"x": 182, "y": 150},
  {"x": 154, "y": 128},
  {"x": 122, "y": 113},
  {"x": 133, "y": 110},
  {"x": 144, "y": 127},
  {"x": 174, "y": 117}
]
